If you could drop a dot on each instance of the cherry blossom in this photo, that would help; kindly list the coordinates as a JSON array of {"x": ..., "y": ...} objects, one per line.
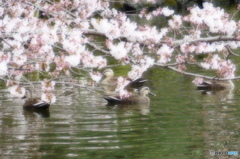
[
  {"x": 121, "y": 83},
  {"x": 48, "y": 85},
  {"x": 175, "y": 22},
  {"x": 3, "y": 68},
  {"x": 95, "y": 76},
  {"x": 17, "y": 91},
  {"x": 118, "y": 51},
  {"x": 165, "y": 53},
  {"x": 51, "y": 38},
  {"x": 48, "y": 97},
  {"x": 198, "y": 80}
]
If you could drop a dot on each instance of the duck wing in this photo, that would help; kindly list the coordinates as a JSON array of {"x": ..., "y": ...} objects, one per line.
[
  {"x": 136, "y": 83},
  {"x": 112, "y": 99},
  {"x": 36, "y": 103}
]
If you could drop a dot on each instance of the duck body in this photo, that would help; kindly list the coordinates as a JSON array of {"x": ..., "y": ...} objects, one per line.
[
  {"x": 215, "y": 85},
  {"x": 133, "y": 99},
  {"x": 111, "y": 80},
  {"x": 34, "y": 103},
  {"x": 139, "y": 98}
]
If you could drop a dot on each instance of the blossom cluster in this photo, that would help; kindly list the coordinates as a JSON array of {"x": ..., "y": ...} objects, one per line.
[
  {"x": 48, "y": 88},
  {"x": 212, "y": 17},
  {"x": 226, "y": 68},
  {"x": 122, "y": 27},
  {"x": 52, "y": 37},
  {"x": 37, "y": 35},
  {"x": 159, "y": 11}
]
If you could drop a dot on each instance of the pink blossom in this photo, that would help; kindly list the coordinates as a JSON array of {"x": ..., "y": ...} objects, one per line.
[
  {"x": 213, "y": 17},
  {"x": 91, "y": 61},
  {"x": 121, "y": 83},
  {"x": 73, "y": 59},
  {"x": 110, "y": 28},
  {"x": 137, "y": 50},
  {"x": 48, "y": 97},
  {"x": 136, "y": 71},
  {"x": 95, "y": 76},
  {"x": 175, "y": 22},
  {"x": 124, "y": 93},
  {"x": 180, "y": 59},
  {"x": 3, "y": 68},
  {"x": 167, "y": 12},
  {"x": 5, "y": 56},
  {"x": 165, "y": 53},
  {"x": 20, "y": 60},
  {"x": 48, "y": 85},
  {"x": 186, "y": 48},
  {"x": 198, "y": 80},
  {"x": 17, "y": 91},
  {"x": 118, "y": 51}
]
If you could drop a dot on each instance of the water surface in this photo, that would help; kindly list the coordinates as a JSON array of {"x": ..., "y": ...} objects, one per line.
[{"x": 180, "y": 122}]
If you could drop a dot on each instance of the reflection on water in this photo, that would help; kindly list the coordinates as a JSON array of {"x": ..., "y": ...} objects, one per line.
[
  {"x": 36, "y": 113},
  {"x": 219, "y": 95},
  {"x": 179, "y": 122},
  {"x": 143, "y": 108}
]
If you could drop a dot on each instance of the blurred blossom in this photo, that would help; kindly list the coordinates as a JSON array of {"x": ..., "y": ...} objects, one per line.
[
  {"x": 121, "y": 83},
  {"x": 213, "y": 17},
  {"x": 73, "y": 60},
  {"x": 165, "y": 53},
  {"x": 175, "y": 22},
  {"x": 95, "y": 76},
  {"x": 167, "y": 12},
  {"x": 197, "y": 81},
  {"x": 118, "y": 51},
  {"x": 3, "y": 68},
  {"x": 17, "y": 91},
  {"x": 124, "y": 93},
  {"x": 48, "y": 97},
  {"x": 47, "y": 85}
]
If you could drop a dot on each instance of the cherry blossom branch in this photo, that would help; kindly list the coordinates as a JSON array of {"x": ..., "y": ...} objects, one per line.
[
  {"x": 69, "y": 13},
  {"x": 98, "y": 48},
  {"x": 230, "y": 51},
  {"x": 206, "y": 39},
  {"x": 194, "y": 74},
  {"x": 91, "y": 89}
]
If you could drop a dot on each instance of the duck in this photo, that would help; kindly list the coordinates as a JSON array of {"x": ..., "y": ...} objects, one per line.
[
  {"x": 140, "y": 98},
  {"x": 33, "y": 102},
  {"x": 111, "y": 80},
  {"x": 215, "y": 85}
]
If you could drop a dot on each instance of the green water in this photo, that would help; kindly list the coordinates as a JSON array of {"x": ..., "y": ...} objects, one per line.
[{"x": 180, "y": 122}]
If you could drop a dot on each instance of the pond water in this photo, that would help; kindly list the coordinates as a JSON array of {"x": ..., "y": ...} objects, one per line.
[{"x": 180, "y": 122}]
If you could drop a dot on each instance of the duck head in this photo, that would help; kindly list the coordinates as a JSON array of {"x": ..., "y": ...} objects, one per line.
[
  {"x": 145, "y": 91},
  {"x": 108, "y": 73}
]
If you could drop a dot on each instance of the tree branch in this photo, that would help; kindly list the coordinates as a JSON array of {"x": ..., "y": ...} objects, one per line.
[
  {"x": 194, "y": 74},
  {"x": 207, "y": 39}
]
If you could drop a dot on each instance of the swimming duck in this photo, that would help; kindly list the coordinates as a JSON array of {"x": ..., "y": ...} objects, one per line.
[
  {"x": 112, "y": 81},
  {"x": 139, "y": 98},
  {"x": 215, "y": 85},
  {"x": 33, "y": 103}
]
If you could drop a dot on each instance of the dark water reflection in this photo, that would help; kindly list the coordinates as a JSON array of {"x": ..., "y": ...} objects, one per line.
[{"x": 180, "y": 122}]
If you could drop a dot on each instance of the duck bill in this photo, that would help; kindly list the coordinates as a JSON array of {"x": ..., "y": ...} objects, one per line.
[
  {"x": 24, "y": 97},
  {"x": 152, "y": 94}
]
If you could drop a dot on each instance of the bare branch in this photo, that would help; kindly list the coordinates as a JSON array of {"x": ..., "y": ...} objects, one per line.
[
  {"x": 207, "y": 39},
  {"x": 194, "y": 74},
  {"x": 230, "y": 51},
  {"x": 98, "y": 48}
]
